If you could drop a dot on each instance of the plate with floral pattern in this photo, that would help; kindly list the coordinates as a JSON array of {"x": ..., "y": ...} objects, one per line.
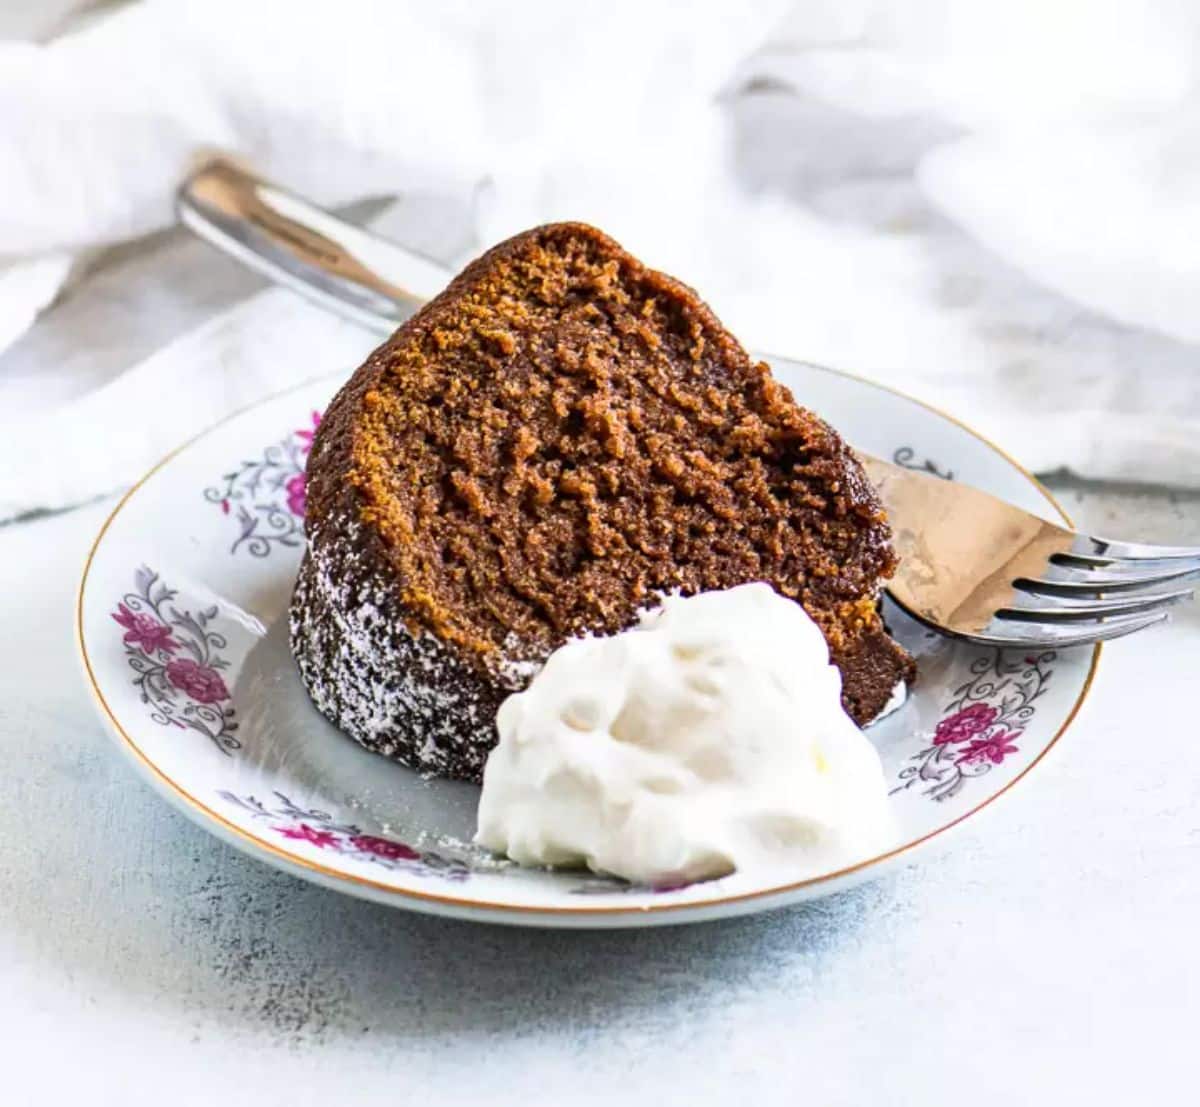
[{"x": 183, "y": 631}]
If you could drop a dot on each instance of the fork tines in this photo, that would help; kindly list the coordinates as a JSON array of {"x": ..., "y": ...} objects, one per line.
[{"x": 1105, "y": 589}]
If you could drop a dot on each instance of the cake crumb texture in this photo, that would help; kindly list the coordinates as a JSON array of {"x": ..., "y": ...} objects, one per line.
[{"x": 557, "y": 439}]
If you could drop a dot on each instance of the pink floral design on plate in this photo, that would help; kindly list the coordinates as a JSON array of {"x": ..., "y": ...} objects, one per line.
[
  {"x": 994, "y": 748},
  {"x": 982, "y": 723},
  {"x": 964, "y": 724},
  {"x": 175, "y": 655},
  {"x": 307, "y": 434},
  {"x": 322, "y": 831},
  {"x": 384, "y": 847},
  {"x": 267, "y": 494},
  {"x": 200, "y": 682},
  {"x": 305, "y": 833},
  {"x": 297, "y": 495},
  {"x": 144, "y": 632}
]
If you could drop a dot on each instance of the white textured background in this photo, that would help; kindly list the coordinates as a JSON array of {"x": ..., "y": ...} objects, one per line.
[{"x": 1048, "y": 957}]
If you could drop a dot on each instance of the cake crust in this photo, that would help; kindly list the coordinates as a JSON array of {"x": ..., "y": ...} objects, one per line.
[{"x": 555, "y": 440}]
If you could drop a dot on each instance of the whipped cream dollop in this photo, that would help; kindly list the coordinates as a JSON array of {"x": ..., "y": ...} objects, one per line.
[{"x": 707, "y": 738}]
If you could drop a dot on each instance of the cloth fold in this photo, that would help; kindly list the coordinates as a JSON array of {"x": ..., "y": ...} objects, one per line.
[{"x": 841, "y": 184}]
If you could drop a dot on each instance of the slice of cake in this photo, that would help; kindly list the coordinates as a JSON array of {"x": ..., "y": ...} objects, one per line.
[{"x": 558, "y": 439}]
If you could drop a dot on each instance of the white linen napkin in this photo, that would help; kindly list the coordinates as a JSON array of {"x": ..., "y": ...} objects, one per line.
[{"x": 866, "y": 191}]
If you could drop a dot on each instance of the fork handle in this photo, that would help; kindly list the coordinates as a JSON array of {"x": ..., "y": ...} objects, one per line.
[{"x": 338, "y": 266}]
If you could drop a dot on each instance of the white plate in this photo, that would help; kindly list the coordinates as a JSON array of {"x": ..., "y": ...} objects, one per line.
[{"x": 182, "y": 626}]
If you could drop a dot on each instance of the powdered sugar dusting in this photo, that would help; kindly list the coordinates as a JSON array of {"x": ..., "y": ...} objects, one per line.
[
  {"x": 401, "y": 694},
  {"x": 513, "y": 670}
]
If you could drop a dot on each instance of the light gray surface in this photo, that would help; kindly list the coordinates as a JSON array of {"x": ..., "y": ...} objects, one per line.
[{"x": 1048, "y": 956}]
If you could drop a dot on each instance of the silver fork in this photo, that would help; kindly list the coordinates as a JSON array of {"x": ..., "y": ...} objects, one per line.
[
  {"x": 971, "y": 566},
  {"x": 975, "y": 567}
]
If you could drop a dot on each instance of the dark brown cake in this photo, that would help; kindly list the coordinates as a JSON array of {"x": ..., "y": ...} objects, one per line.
[{"x": 558, "y": 438}]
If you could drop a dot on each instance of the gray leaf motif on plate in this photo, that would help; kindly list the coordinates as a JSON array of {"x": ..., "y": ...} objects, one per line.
[
  {"x": 906, "y": 458},
  {"x": 266, "y": 495}
]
